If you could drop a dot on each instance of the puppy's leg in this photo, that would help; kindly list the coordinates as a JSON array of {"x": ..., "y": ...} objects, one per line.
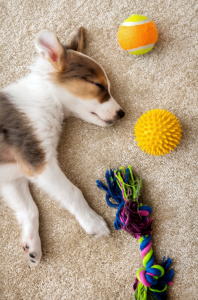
[
  {"x": 55, "y": 183},
  {"x": 17, "y": 196}
]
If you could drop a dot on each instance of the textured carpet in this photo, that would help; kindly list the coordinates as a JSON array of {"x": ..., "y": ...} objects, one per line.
[{"x": 75, "y": 265}]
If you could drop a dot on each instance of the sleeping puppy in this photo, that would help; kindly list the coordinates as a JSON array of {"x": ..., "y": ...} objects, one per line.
[{"x": 63, "y": 82}]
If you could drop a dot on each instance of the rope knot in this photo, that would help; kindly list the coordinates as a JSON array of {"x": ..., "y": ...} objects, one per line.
[{"x": 149, "y": 276}]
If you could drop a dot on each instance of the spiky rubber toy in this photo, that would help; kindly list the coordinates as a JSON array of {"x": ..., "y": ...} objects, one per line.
[{"x": 157, "y": 132}]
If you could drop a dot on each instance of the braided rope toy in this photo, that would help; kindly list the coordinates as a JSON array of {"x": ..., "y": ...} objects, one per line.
[{"x": 132, "y": 216}]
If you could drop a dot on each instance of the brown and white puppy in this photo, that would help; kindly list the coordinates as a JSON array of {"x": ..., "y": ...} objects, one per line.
[{"x": 63, "y": 82}]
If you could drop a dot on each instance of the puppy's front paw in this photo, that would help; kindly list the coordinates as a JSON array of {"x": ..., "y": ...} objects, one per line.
[
  {"x": 32, "y": 249},
  {"x": 95, "y": 225}
]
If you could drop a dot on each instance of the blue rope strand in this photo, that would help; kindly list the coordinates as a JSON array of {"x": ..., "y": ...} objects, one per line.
[{"x": 145, "y": 242}]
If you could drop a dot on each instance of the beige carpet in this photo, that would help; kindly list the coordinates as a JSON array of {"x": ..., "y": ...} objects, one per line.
[{"x": 75, "y": 265}]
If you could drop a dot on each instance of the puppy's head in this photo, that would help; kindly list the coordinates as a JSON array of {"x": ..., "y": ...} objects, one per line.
[{"x": 81, "y": 82}]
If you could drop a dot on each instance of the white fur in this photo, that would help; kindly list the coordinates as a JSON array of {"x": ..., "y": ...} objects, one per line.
[{"x": 46, "y": 105}]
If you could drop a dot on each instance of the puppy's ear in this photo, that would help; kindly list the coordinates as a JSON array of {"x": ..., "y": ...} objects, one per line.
[
  {"x": 51, "y": 48},
  {"x": 77, "y": 43}
]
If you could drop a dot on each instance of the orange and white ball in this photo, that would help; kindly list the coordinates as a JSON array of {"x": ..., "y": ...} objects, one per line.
[{"x": 137, "y": 35}]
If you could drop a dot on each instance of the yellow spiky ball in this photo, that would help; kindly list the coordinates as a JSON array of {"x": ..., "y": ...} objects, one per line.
[{"x": 157, "y": 132}]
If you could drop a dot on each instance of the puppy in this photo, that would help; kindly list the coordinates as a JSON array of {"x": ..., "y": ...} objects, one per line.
[{"x": 63, "y": 82}]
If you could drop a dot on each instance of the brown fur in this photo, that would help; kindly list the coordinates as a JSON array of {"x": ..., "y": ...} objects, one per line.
[
  {"x": 79, "y": 74},
  {"x": 18, "y": 142},
  {"x": 77, "y": 43}
]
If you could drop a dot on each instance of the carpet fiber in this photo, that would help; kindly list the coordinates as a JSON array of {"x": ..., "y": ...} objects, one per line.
[{"x": 75, "y": 265}]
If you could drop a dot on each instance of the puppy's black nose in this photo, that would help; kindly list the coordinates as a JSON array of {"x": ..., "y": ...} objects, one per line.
[{"x": 121, "y": 113}]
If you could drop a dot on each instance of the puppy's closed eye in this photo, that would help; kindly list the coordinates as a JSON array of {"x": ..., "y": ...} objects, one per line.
[
  {"x": 95, "y": 83},
  {"x": 99, "y": 85}
]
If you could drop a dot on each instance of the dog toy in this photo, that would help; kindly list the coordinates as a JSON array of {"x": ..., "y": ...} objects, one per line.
[
  {"x": 157, "y": 132},
  {"x": 137, "y": 35},
  {"x": 132, "y": 216}
]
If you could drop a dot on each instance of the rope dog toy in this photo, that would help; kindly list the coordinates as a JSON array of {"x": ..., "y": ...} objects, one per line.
[{"x": 132, "y": 216}]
